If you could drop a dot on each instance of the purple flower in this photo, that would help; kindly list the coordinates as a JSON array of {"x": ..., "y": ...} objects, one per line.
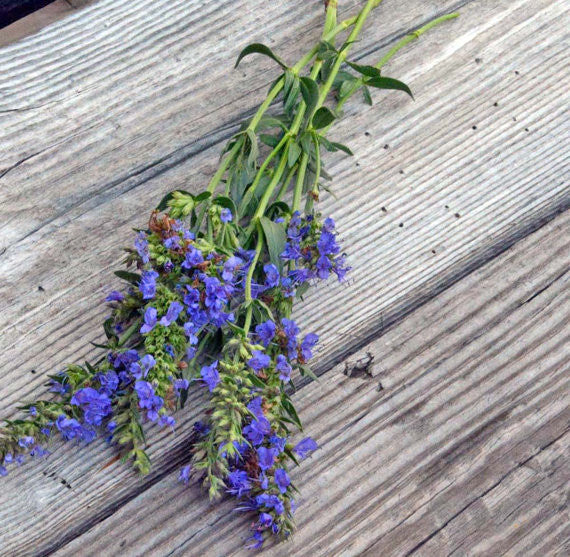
[
  {"x": 266, "y": 457},
  {"x": 292, "y": 252},
  {"x": 139, "y": 370},
  {"x": 95, "y": 405},
  {"x": 256, "y": 431},
  {"x": 271, "y": 502},
  {"x": 307, "y": 445},
  {"x": 327, "y": 244},
  {"x": 257, "y": 538},
  {"x": 180, "y": 385},
  {"x": 201, "y": 428},
  {"x": 172, "y": 243},
  {"x": 3, "y": 471},
  {"x": 300, "y": 276},
  {"x": 114, "y": 296},
  {"x": 324, "y": 267},
  {"x": 148, "y": 399},
  {"x": 265, "y": 520},
  {"x": 271, "y": 275},
  {"x": 58, "y": 387},
  {"x": 150, "y": 318},
  {"x": 282, "y": 480},
  {"x": 172, "y": 314},
  {"x": 259, "y": 360},
  {"x": 265, "y": 332},
  {"x": 291, "y": 330},
  {"x": 192, "y": 298},
  {"x": 38, "y": 451},
  {"x": 109, "y": 382},
  {"x": 166, "y": 421},
  {"x": 255, "y": 408},
  {"x": 26, "y": 442},
  {"x": 283, "y": 368},
  {"x": 70, "y": 428},
  {"x": 238, "y": 483},
  {"x": 33, "y": 411},
  {"x": 184, "y": 475},
  {"x": 278, "y": 442},
  {"x": 210, "y": 375},
  {"x": 230, "y": 267},
  {"x": 307, "y": 345},
  {"x": 141, "y": 245},
  {"x": 148, "y": 284},
  {"x": 226, "y": 215},
  {"x": 193, "y": 257},
  {"x": 329, "y": 224},
  {"x": 340, "y": 268}
]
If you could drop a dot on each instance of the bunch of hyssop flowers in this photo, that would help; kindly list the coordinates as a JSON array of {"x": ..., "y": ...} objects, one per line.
[{"x": 211, "y": 294}]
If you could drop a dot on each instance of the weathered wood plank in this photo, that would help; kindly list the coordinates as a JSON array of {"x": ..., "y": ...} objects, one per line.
[
  {"x": 502, "y": 180},
  {"x": 463, "y": 451}
]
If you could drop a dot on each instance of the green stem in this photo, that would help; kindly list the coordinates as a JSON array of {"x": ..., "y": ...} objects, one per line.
[
  {"x": 272, "y": 185},
  {"x": 412, "y": 36},
  {"x": 300, "y": 181},
  {"x": 286, "y": 182},
  {"x": 370, "y": 5},
  {"x": 276, "y": 89},
  {"x": 217, "y": 177},
  {"x": 270, "y": 157},
  {"x": 251, "y": 270},
  {"x": 394, "y": 50}
]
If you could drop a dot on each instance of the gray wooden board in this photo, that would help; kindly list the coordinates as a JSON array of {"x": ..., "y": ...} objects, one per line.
[
  {"x": 464, "y": 450},
  {"x": 104, "y": 112}
]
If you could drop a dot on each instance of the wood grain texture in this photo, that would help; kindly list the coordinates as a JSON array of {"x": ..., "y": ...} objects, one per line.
[
  {"x": 463, "y": 451},
  {"x": 104, "y": 112}
]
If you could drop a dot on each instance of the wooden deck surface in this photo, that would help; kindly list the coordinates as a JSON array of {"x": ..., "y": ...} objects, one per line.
[{"x": 454, "y": 212}]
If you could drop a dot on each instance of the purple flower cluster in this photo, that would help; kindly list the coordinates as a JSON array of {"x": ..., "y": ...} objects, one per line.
[{"x": 314, "y": 250}]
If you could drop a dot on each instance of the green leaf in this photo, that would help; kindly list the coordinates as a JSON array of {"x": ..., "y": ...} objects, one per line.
[
  {"x": 326, "y": 51},
  {"x": 367, "y": 96},
  {"x": 389, "y": 83},
  {"x": 306, "y": 371},
  {"x": 279, "y": 207},
  {"x": 258, "y": 48},
  {"x": 108, "y": 328},
  {"x": 368, "y": 71},
  {"x": 202, "y": 196},
  {"x": 293, "y": 154},
  {"x": 328, "y": 145},
  {"x": 226, "y": 202},
  {"x": 266, "y": 308},
  {"x": 270, "y": 140},
  {"x": 133, "y": 278},
  {"x": 256, "y": 381},
  {"x": 268, "y": 122},
  {"x": 342, "y": 147},
  {"x": 276, "y": 239},
  {"x": 254, "y": 149},
  {"x": 301, "y": 290},
  {"x": 310, "y": 92},
  {"x": 291, "y": 98},
  {"x": 323, "y": 117},
  {"x": 290, "y": 409},
  {"x": 135, "y": 326}
]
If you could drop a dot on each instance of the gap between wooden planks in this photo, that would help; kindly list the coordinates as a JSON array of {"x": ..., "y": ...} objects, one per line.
[{"x": 457, "y": 443}]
